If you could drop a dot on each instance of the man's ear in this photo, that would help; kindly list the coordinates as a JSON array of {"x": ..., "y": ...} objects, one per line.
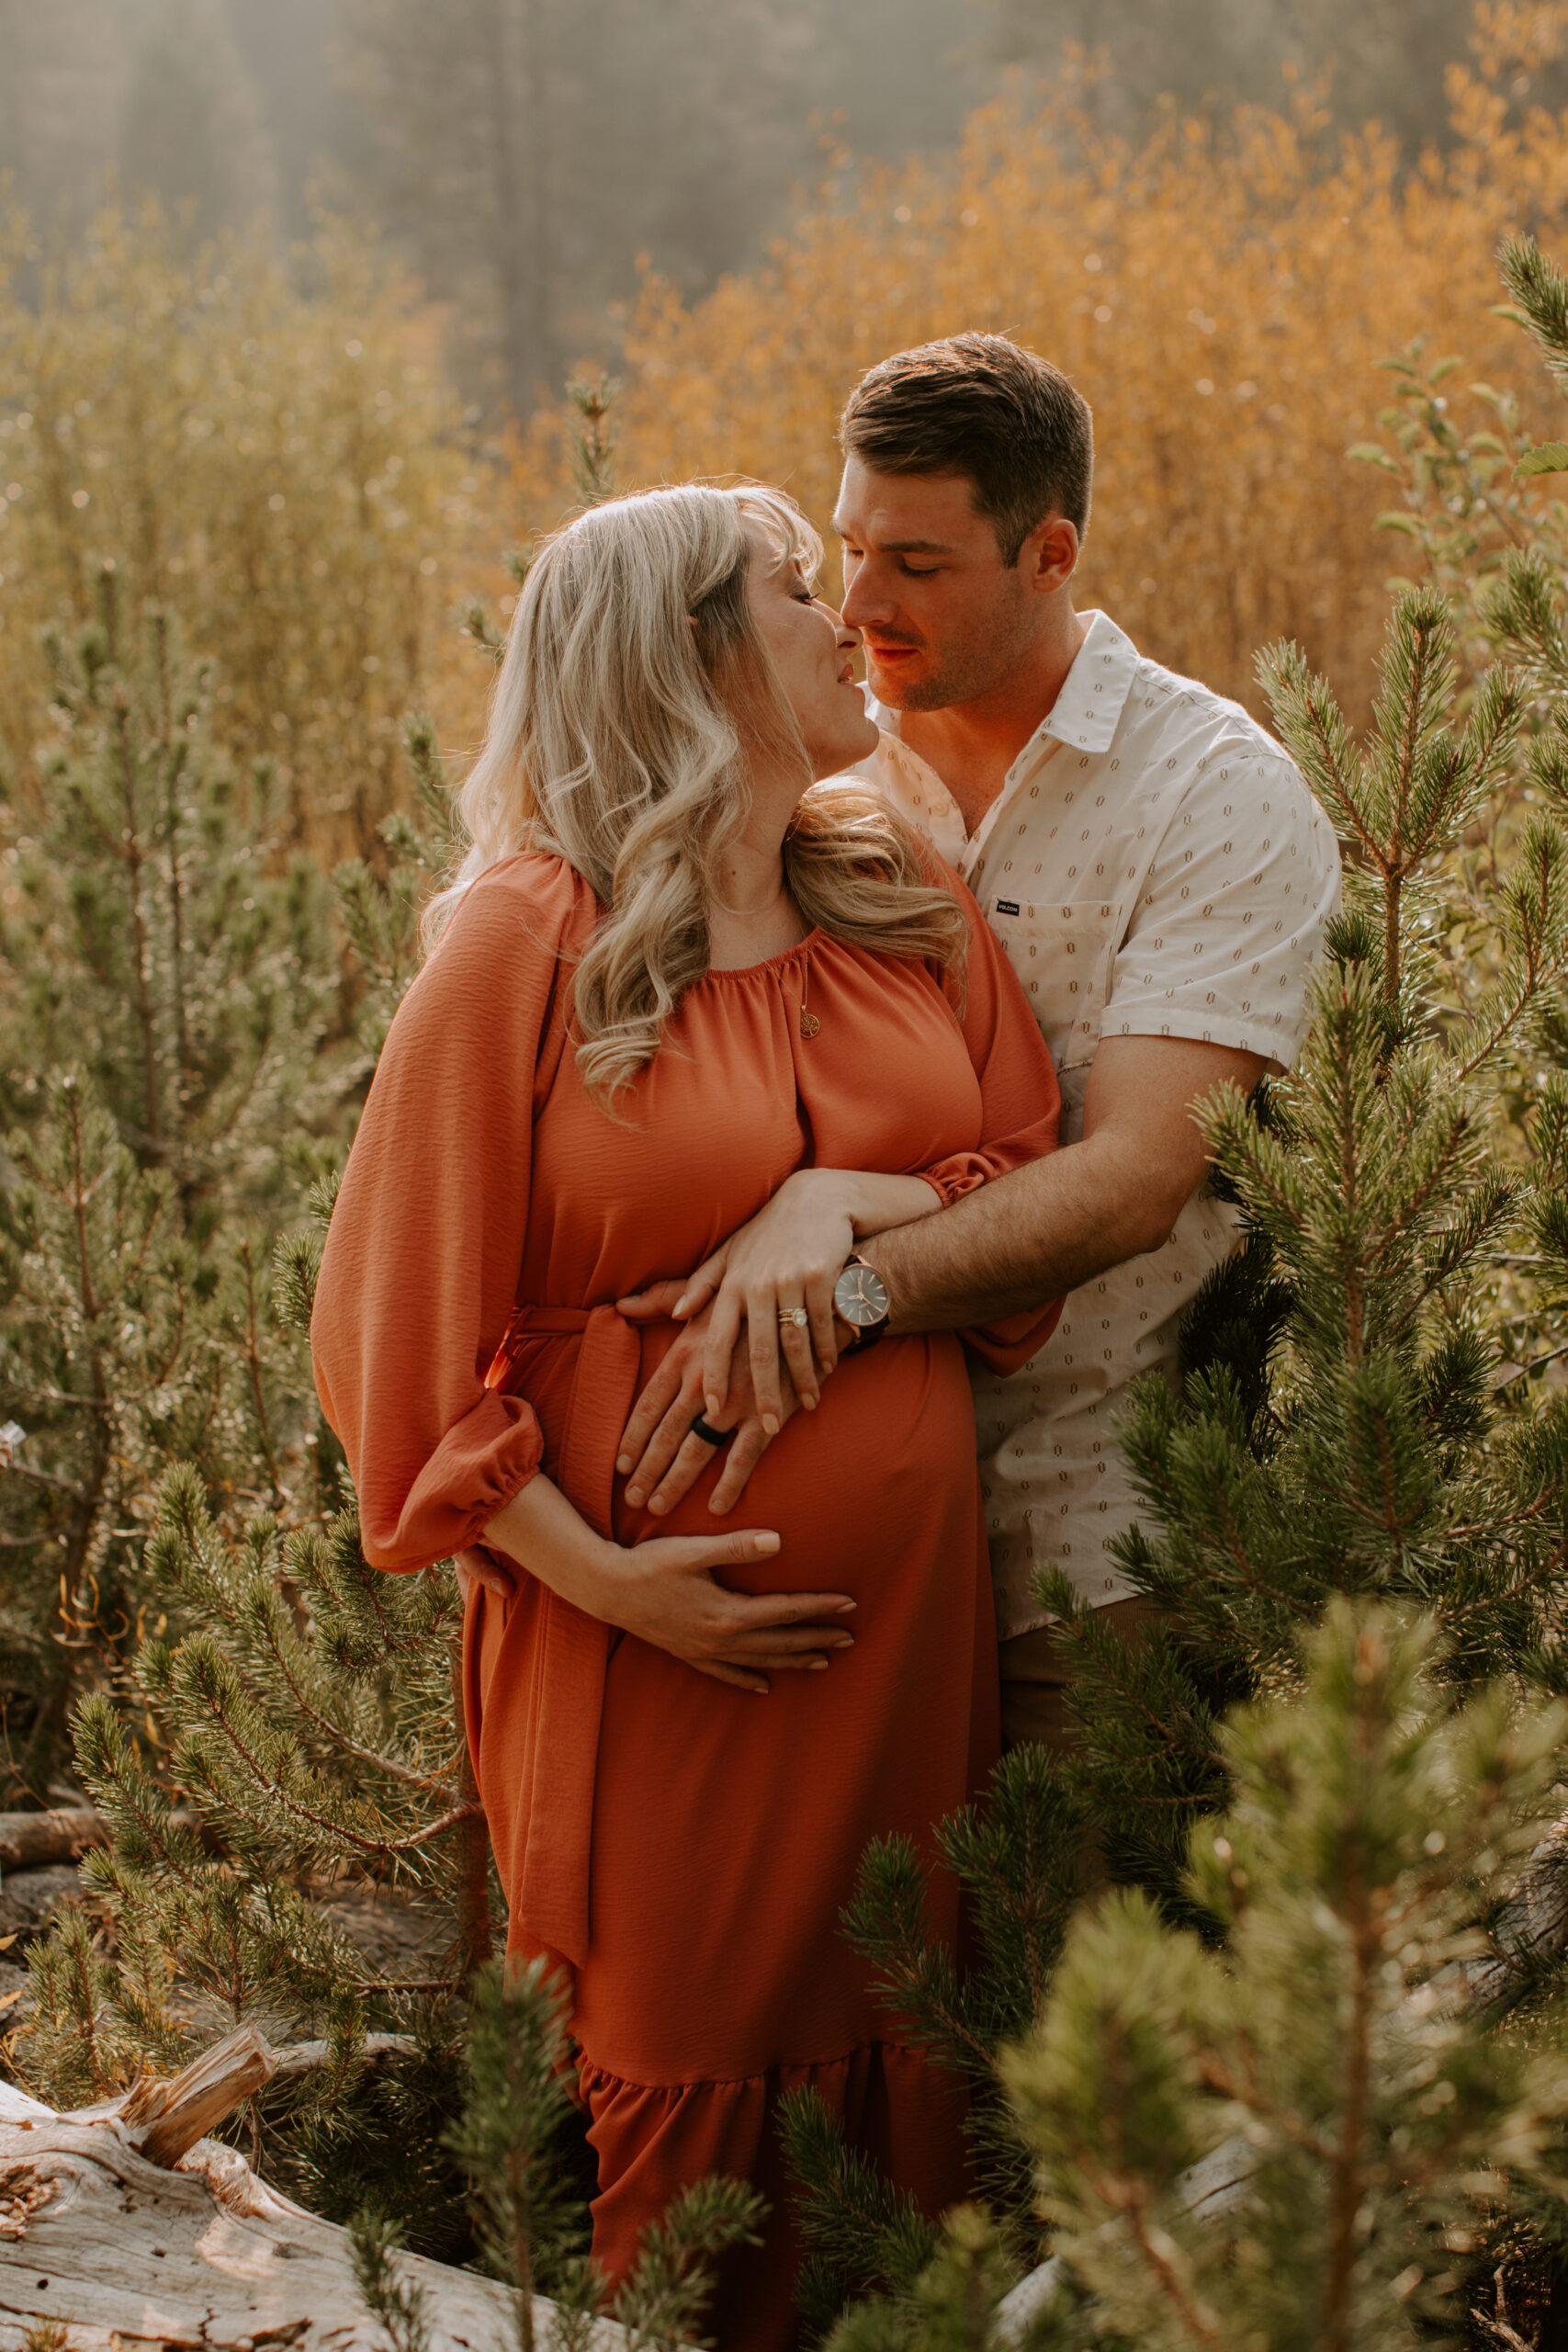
[{"x": 1049, "y": 556}]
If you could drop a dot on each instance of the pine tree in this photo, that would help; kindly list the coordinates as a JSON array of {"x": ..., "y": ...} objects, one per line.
[
  {"x": 513, "y": 2139},
  {"x": 102, "y": 1364},
  {"x": 380, "y": 904},
  {"x": 303, "y": 1717},
  {"x": 164, "y": 933},
  {"x": 170, "y": 980},
  {"x": 192, "y": 133},
  {"x": 1372, "y": 2127}
]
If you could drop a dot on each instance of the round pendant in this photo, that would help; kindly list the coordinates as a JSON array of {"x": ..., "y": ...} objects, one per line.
[{"x": 809, "y": 1024}]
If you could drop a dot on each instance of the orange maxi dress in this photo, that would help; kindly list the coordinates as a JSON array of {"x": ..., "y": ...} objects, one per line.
[{"x": 681, "y": 1847}]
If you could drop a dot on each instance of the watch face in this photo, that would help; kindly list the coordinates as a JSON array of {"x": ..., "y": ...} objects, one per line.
[{"x": 861, "y": 1296}]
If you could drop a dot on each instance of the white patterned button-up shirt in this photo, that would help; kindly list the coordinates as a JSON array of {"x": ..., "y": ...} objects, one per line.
[{"x": 1156, "y": 867}]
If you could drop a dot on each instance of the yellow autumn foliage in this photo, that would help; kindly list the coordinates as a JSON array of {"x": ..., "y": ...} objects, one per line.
[
  {"x": 1223, "y": 295},
  {"x": 275, "y": 455}
]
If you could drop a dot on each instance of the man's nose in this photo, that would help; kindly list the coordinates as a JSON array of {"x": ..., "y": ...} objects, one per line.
[{"x": 863, "y": 601}]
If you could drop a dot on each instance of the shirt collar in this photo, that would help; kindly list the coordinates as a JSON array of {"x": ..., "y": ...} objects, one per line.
[
  {"x": 1092, "y": 697},
  {"x": 1095, "y": 690}
]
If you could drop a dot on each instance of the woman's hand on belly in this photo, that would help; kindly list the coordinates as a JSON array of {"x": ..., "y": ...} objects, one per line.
[{"x": 670, "y": 1591}]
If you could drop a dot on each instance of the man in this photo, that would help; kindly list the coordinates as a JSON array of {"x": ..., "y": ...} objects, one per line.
[{"x": 1160, "y": 877}]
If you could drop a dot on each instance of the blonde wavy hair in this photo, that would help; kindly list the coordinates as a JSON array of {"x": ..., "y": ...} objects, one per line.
[{"x": 620, "y": 738}]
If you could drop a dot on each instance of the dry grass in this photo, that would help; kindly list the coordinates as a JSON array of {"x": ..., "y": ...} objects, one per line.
[{"x": 288, "y": 470}]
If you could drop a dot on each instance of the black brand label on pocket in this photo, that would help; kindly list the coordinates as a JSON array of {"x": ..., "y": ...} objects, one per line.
[{"x": 1007, "y": 906}]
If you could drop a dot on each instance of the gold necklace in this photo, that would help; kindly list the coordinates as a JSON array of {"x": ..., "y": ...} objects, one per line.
[{"x": 809, "y": 1024}]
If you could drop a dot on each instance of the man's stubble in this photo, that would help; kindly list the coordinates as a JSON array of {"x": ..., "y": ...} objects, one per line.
[{"x": 991, "y": 648}]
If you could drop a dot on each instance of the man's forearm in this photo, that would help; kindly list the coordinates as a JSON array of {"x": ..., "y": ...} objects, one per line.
[{"x": 1023, "y": 1240}]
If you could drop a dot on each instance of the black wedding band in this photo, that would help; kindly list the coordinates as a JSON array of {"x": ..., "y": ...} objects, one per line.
[{"x": 710, "y": 1437}]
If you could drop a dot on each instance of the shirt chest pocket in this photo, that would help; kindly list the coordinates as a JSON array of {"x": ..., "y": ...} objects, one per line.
[{"x": 1062, "y": 954}]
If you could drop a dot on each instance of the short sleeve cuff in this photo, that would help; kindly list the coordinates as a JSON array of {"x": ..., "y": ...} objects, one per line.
[{"x": 1276, "y": 1037}]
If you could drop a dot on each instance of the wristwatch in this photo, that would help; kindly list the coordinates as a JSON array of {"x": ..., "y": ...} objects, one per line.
[{"x": 860, "y": 1295}]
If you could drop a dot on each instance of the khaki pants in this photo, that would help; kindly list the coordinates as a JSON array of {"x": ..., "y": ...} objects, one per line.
[{"x": 1037, "y": 1673}]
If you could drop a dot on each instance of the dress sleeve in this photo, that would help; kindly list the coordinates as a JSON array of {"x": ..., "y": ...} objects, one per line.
[
  {"x": 1020, "y": 1107},
  {"x": 419, "y": 1272}
]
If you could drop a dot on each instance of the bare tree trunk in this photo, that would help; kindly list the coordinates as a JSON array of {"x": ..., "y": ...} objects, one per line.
[
  {"x": 474, "y": 1940},
  {"x": 520, "y": 180}
]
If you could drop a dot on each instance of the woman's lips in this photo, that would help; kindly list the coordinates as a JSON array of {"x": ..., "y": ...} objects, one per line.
[{"x": 892, "y": 652}]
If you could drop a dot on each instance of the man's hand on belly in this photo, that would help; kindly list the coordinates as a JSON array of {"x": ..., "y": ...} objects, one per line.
[
  {"x": 658, "y": 1456},
  {"x": 766, "y": 1333}
]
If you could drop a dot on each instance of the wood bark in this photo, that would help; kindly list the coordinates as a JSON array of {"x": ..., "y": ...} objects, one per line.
[
  {"x": 28, "y": 1840},
  {"x": 124, "y": 2227}
]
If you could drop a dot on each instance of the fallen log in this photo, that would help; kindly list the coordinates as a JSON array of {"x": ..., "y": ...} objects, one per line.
[
  {"x": 28, "y": 1840},
  {"x": 123, "y": 2227},
  {"x": 298, "y": 2058}
]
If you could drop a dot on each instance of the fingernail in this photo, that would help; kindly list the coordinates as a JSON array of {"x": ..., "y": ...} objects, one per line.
[
  {"x": 809, "y": 1403},
  {"x": 845, "y": 1642},
  {"x": 623, "y": 1462},
  {"x": 634, "y": 1497},
  {"x": 767, "y": 1543},
  {"x": 771, "y": 1423},
  {"x": 845, "y": 1605},
  {"x": 659, "y": 1504},
  {"x": 817, "y": 1666},
  {"x": 680, "y": 1307},
  {"x": 713, "y": 1407}
]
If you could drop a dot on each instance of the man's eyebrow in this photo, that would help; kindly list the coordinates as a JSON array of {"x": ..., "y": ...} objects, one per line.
[{"x": 907, "y": 547}]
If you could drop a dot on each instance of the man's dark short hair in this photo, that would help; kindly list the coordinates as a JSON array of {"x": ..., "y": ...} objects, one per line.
[{"x": 980, "y": 405}]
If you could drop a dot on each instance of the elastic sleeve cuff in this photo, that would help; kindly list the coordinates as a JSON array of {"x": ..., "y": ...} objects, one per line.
[
  {"x": 961, "y": 1172},
  {"x": 482, "y": 1462},
  {"x": 1008, "y": 1346}
]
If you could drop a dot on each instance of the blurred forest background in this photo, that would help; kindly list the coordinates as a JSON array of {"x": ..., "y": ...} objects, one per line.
[
  {"x": 289, "y": 293},
  {"x": 522, "y": 156}
]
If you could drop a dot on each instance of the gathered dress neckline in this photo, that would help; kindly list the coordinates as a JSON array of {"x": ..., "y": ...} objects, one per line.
[{"x": 769, "y": 963}]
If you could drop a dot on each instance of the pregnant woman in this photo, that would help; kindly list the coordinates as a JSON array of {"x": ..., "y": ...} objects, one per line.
[{"x": 668, "y": 975}]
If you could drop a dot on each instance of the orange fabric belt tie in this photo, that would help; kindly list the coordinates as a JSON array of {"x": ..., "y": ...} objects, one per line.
[{"x": 551, "y": 1899}]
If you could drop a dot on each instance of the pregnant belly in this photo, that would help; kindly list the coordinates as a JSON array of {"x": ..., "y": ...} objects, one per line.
[
  {"x": 856, "y": 1488},
  {"x": 730, "y": 1830}
]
